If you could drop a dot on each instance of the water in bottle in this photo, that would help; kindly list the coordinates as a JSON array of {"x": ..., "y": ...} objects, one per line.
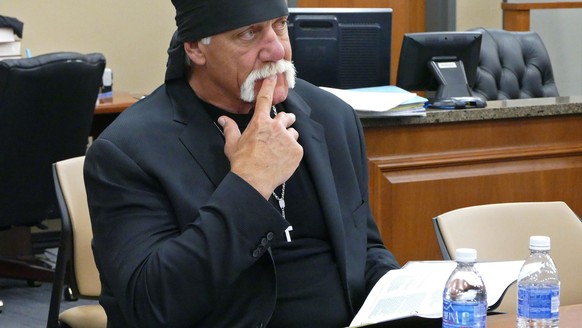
[
  {"x": 465, "y": 297},
  {"x": 538, "y": 287}
]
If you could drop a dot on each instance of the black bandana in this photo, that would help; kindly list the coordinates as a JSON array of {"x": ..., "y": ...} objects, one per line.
[{"x": 197, "y": 19}]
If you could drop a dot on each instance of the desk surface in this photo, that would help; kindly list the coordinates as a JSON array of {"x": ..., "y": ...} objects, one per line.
[
  {"x": 570, "y": 317},
  {"x": 116, "y": 104},
  {"x": 495, "y": 110},
  {"x": 498, "y": 109}
]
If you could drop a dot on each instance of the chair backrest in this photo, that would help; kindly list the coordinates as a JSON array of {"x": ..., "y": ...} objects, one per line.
[
  {"x": 501, "y": 232},
  {"x": 46, "y": 109},
  {"x": 513, "y": 65},
  {"x": 76, "y": 237},
  {"x": 70, "y": 178}
]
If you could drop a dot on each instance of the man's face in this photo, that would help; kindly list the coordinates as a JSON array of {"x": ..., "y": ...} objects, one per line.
[{"x": 232, "y": 56}]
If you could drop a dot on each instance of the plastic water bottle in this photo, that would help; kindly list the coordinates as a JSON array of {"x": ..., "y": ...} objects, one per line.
[
  {"x": 538, "y": 287},
  {"x": 465, "y": 297}
]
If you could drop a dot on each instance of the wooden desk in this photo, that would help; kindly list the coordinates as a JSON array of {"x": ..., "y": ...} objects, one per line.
[
  {"x": 107, "y": 110},
  {"x": 116, "y": 104},
  {"x": 570, "y": 317},
  {"x": 515, "y": 150}
]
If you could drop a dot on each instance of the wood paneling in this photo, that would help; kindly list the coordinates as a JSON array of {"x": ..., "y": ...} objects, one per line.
[
  {"x": 516, "y": 16},
  {"x": 407, "y": 16},
  {"x": 420, "y": 171}
]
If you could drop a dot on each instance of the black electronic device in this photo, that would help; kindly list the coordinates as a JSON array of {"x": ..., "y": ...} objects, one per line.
[
  {"x": 458, "y": 103},
  {"x": 342, "y": 47},
  {"x": 445, "y": 62}
]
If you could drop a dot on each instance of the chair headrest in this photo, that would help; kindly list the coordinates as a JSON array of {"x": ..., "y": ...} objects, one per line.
[{"x": 513, "y": 65}]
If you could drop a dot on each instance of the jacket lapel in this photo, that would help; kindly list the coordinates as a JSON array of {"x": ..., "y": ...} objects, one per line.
[
  {"x": 312, "y": 138},
  {"x": 200, "y": 136}
]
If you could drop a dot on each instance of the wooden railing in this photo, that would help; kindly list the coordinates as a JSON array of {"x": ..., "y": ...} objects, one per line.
[{"x": 516, "y": 16}]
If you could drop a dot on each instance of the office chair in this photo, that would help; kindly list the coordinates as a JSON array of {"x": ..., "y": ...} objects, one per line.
[
  {"x": 46, "y": 109},
  {"x": 501, "y": 232},
  {"x": 513, "y": 65},
  {"x": 75, "y": 262}
]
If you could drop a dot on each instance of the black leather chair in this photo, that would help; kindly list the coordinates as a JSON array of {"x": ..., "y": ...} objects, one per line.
[
  {"x": 46, "y": 109},
  {"x": 513, "y": 65}
]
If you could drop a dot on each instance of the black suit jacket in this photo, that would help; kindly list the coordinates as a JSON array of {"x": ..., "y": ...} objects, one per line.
[{"x": 182, "y": 242}]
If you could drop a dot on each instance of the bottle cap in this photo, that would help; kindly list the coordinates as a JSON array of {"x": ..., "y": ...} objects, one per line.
[
  {"x": 466, "y": 254},
  {"x": 107, "y": 77},
  {"x": 539, "y": 243}
]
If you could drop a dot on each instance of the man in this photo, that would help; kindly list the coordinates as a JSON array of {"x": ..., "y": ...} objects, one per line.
[{"x": 197, "y": 224}]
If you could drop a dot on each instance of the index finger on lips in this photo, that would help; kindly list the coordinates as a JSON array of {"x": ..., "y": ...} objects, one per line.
[{"x": 265, "y": 96}]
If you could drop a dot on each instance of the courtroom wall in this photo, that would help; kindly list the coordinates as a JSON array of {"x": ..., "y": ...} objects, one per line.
[
  {"x": 132, "y": 34},
  {"x": 561, "y": 31},
  {"x": 478, "y": 13}
]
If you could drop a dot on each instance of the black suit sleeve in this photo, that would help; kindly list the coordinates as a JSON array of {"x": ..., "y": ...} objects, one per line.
[{"x": 161, "y": 273}]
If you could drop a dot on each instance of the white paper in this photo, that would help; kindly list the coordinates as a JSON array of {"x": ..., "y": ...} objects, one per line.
[
  {"x": 7, "y": 34},
  {"x": 371, "y": 101}
]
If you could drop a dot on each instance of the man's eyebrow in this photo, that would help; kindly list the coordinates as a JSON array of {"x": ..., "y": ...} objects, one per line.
[{"x": 243, "y": 28}]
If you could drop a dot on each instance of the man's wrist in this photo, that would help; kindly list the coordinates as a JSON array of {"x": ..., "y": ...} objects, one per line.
[{"x": 261, "y": 187}]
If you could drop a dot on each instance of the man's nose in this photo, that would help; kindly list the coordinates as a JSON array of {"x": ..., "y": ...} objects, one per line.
[{"x": 272, "y": 48}]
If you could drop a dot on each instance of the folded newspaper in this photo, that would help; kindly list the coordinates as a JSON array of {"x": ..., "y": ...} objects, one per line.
[{"x": 416, "y": 290}]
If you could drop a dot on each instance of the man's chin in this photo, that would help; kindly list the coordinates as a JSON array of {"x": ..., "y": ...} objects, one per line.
[{"x": 280, "y": 94}]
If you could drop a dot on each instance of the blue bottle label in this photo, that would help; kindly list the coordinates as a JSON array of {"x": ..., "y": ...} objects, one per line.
[
  {"x": 464, "y": 314},
  {"x": 538, "y": 302}
]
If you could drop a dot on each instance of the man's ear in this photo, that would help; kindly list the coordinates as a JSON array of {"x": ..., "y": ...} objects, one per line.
[{"x": 196, "y": 55}]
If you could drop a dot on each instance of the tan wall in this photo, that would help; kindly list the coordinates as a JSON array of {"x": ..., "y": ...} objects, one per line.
[
  {"x": 132, "y": 34},
  {"x": 479, "y": 13}
]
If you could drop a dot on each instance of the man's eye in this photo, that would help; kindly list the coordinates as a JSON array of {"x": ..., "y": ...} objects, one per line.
[
  {"x": 280, "y": 25},
  {"x": 247, "y": 35}
]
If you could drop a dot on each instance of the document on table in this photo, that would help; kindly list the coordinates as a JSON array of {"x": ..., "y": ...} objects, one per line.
[
  {"x": 417, "y": 290},
  {"x": 372, "y": 101}
]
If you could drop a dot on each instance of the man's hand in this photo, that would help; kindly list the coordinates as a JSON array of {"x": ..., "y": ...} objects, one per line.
[{"x": 267, "y": 153}]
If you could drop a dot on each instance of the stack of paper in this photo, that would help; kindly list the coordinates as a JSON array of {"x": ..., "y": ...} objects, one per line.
[
  {"x": 9, "y": 44},
  {"x": 385, "y": 101}
]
